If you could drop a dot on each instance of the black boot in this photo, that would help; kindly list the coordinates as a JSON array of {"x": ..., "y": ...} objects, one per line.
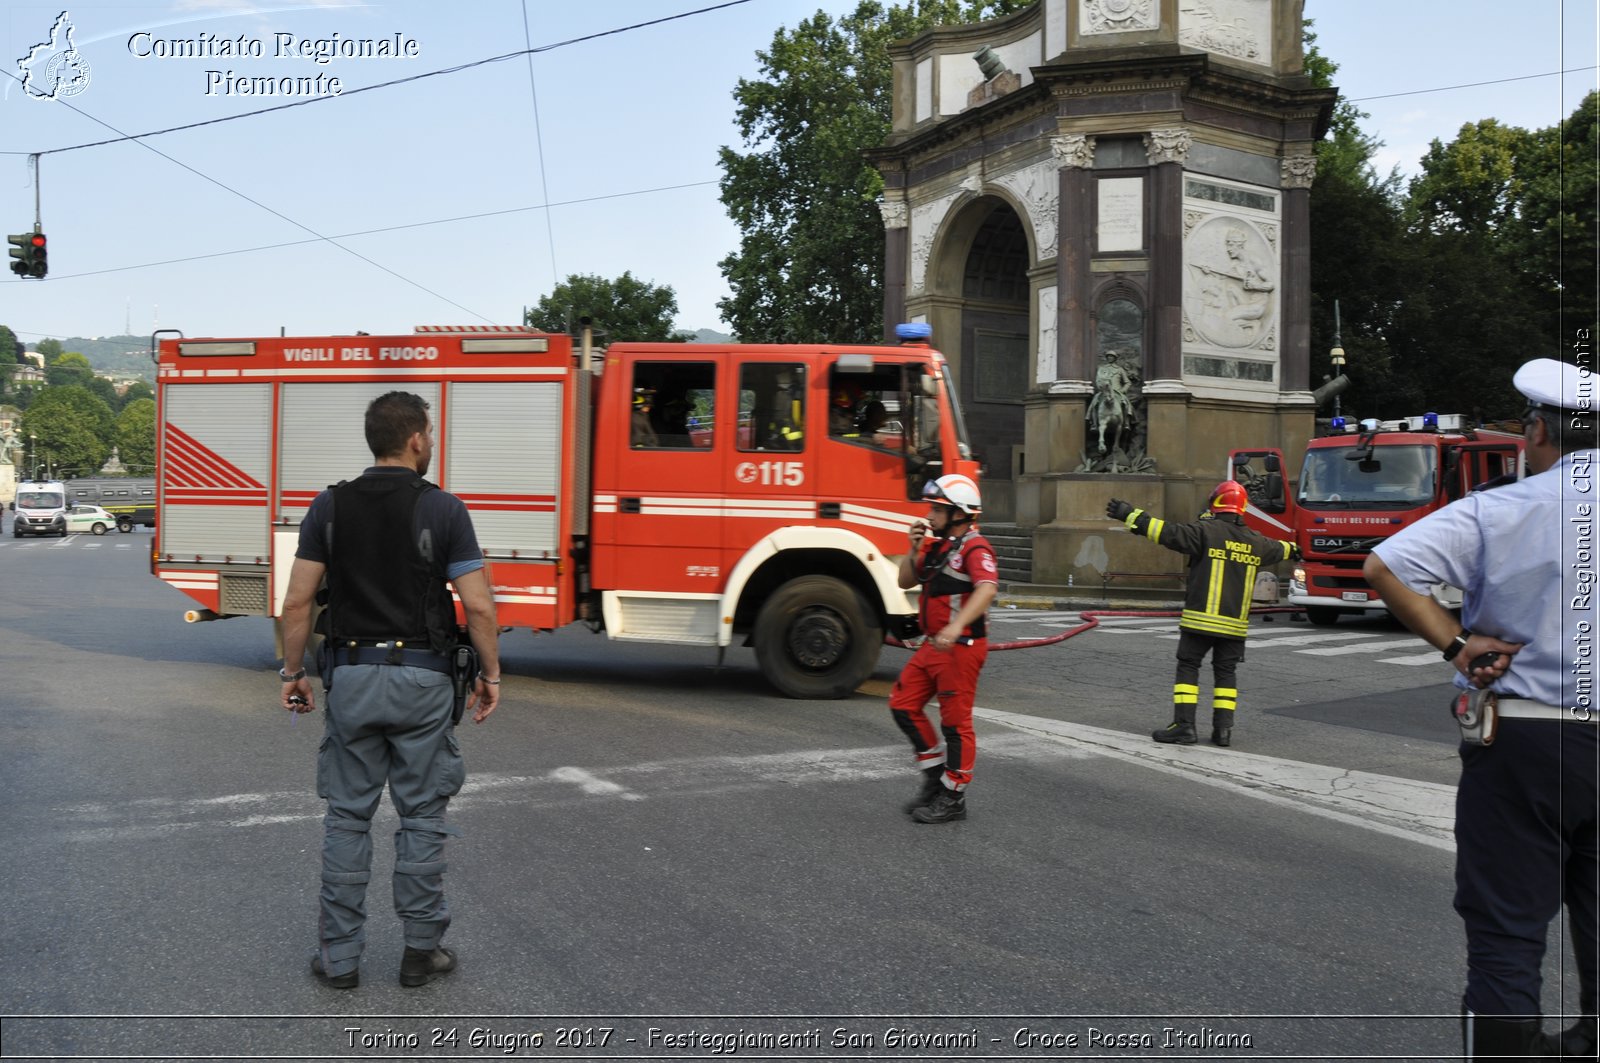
[
  {"x": 1180, "y": 730},
  {"x": 1222, "y": 727},
  {"x": 927, "y": 790},
  {"x": 348, "y": 980},
  {"x": 947, "y": 805},
  {"x": 1575, "y": 1042},
  {"x": 1491, "y": 1037},
  {"x": 418, "y": 967}
]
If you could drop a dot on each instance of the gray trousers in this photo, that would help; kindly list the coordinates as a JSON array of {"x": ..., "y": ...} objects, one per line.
[{"x": 385, "y": 724}]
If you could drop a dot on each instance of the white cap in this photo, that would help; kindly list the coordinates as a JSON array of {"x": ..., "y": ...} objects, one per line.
[{"x": 1558, "y": 385}]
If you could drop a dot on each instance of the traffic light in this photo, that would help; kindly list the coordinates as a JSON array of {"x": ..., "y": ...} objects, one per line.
[{"x": 28, "y": 253}]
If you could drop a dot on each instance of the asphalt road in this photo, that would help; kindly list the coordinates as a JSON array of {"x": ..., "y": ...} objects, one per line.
[{"x": 654, "y": 843}]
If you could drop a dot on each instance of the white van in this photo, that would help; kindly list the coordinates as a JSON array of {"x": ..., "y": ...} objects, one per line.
[{"x": 41, "y": 509}]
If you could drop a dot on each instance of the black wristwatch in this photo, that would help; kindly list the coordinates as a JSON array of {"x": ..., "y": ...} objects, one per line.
[{"x": 1457, "y": 644}]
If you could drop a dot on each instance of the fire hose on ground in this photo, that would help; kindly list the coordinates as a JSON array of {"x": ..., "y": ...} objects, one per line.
[{"x": 1091, "y": 620}]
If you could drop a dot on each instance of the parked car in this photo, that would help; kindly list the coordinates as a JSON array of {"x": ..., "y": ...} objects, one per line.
[{"x": 85, "y": 518}]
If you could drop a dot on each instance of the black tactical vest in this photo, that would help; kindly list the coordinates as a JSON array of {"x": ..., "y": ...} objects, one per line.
[{"x": 384, "y": 584}]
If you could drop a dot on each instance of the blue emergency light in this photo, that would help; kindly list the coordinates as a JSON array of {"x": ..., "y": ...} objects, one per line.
[
  {"x": 1337, "y": 424},
  {"x": 1430, "y": 420},
  {"x": 913, "y": 330}
]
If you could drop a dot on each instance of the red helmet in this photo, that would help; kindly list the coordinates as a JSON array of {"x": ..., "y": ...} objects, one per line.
[{"x": 1229, "y": 497}]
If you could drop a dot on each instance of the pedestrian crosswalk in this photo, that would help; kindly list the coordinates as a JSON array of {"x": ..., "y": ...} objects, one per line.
[{"x": 1385, "y": 646}]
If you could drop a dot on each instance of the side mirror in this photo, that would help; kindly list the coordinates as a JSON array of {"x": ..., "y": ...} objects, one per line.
[{"x": 1272, "y": 463}]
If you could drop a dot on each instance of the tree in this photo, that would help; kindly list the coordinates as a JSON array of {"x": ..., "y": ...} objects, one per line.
[
  {"x": 625, "y": 309},
  {"x": 1558, "y": 212},
  {"x": 136, "y": 436},
  {"x": 8, "y": 346},
  {"x": 1357, "y": 252},
  {"x": 810, "y": 261},
  {"x": 49, "y": 349},
  {"x": 68, "y": 368},
  {"x": 74, "y": 429},
  {"x": 136, "y": 391}
]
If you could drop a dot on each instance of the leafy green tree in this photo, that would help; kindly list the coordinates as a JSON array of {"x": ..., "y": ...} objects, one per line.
[
  {"x": 68, "y": 368},
  {"x": 810, "y": 261},
  {"x": 624, "y": 309},
  {"x": 136, "y": 391},
  {"x": 8, "y": 346},
  {"x": 1357, "y": 255},
  {"x": 136, "y": 436},
  {"x": 74, "y": 428},
  {"x": 1558, "y": 214},
  {"x": 50, "y": 349}
]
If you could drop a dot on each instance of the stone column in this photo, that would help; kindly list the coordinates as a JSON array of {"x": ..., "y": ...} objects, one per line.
[
  {"x": 1167, "y": 150},
  {"x": 1297, "y": 171},
  {"x": 1074, "y": 155},
  {"x": 896, "y": 226}
]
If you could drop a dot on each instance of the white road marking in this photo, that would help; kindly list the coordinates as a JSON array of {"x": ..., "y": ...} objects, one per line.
[
  {"x": 1316, "y": 638},
  {"x": 1431, "y": 657},
  {"x": 1401, "y": 808},
  {"x": 1365, "y": 647}
]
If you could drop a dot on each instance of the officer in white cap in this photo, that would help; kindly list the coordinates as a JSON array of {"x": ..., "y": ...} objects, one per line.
[{"x": 1524, "y": 652}]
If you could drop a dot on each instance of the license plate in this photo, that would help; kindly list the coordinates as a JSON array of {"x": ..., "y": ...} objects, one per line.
[{"x": 1354, "y": 596}]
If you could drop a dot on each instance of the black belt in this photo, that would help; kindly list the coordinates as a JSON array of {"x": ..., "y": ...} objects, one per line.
[{"x": 433, "y": 662}]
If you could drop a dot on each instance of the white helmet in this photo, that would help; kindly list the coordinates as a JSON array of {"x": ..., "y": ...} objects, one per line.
[{"x": 954, "y": 490}]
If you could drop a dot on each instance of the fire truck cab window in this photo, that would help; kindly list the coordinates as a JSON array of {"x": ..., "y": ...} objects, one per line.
[
  {"x": 865, "y": 408},
  {"x": 674, "y": 406},
  {"x": 772, "y": 406}
]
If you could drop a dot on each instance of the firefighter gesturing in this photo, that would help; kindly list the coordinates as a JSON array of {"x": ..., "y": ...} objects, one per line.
[
  {"x": 1224, "y": 557},
  {"x": 956, "y": 568}
]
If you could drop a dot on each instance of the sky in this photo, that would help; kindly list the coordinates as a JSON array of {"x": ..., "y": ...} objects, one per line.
[{"x": 463, "y": 198}]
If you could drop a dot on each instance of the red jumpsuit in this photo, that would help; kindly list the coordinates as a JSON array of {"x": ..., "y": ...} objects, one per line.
[{"x": 948, "y": 571}]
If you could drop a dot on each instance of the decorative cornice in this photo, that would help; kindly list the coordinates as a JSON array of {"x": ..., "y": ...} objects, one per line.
[{"x": 895, "y": 213}]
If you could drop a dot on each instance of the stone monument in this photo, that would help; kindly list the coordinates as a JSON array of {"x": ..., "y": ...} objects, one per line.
[{"x": 1101, "y": 207}]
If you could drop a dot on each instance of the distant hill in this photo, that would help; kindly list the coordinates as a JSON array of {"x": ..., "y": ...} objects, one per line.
[
  {"x": 706, "y": 335},
  {"x": 114, "y": 355}
]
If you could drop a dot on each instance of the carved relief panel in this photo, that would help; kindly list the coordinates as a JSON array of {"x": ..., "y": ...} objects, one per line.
[
  {"x": 1238, "y": 29},
  {"x": 1232, "y": 284},
  {"x": 1118, "y": 16}
]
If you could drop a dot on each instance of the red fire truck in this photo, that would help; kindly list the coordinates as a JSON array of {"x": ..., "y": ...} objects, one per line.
[
  {"x": 1359, "y": 485},
  {"x": 688, "y": 494}
]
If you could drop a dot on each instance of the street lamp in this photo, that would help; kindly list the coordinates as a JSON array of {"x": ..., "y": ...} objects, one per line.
[
  {"x": 33, "y": 456},
  {"x": 1337, "y": 355}
]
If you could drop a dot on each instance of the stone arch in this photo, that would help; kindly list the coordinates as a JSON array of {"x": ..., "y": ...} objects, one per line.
[{"x": 981, "y": 286}]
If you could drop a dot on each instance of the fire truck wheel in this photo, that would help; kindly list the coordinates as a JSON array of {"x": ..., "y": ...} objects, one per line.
[
  {"x": 1322, "y": 616},
  {"x": 816, "y": 637}
]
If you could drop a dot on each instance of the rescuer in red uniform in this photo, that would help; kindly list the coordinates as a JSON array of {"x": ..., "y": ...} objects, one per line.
[
  {"x": 956, "y": 568},
  {"x": 1224, "y": 557}
]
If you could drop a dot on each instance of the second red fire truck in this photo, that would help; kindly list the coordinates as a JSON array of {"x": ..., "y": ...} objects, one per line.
[
  {"x": 1359, "y": 485},
  {"x": 700, "y": 495}
]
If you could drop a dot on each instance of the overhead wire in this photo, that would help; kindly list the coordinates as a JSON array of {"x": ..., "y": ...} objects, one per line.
[
  {"x": 139, "y": 139},
  {"x": 538, "y": 142},
  {"x": 530, "y": 51},
  {"x": 1470, "y": 85},
  {"x": 388, "y": 229}
]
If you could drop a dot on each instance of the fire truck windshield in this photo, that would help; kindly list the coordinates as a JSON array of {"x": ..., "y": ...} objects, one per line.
[{"x": 1394, "y": 476}]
